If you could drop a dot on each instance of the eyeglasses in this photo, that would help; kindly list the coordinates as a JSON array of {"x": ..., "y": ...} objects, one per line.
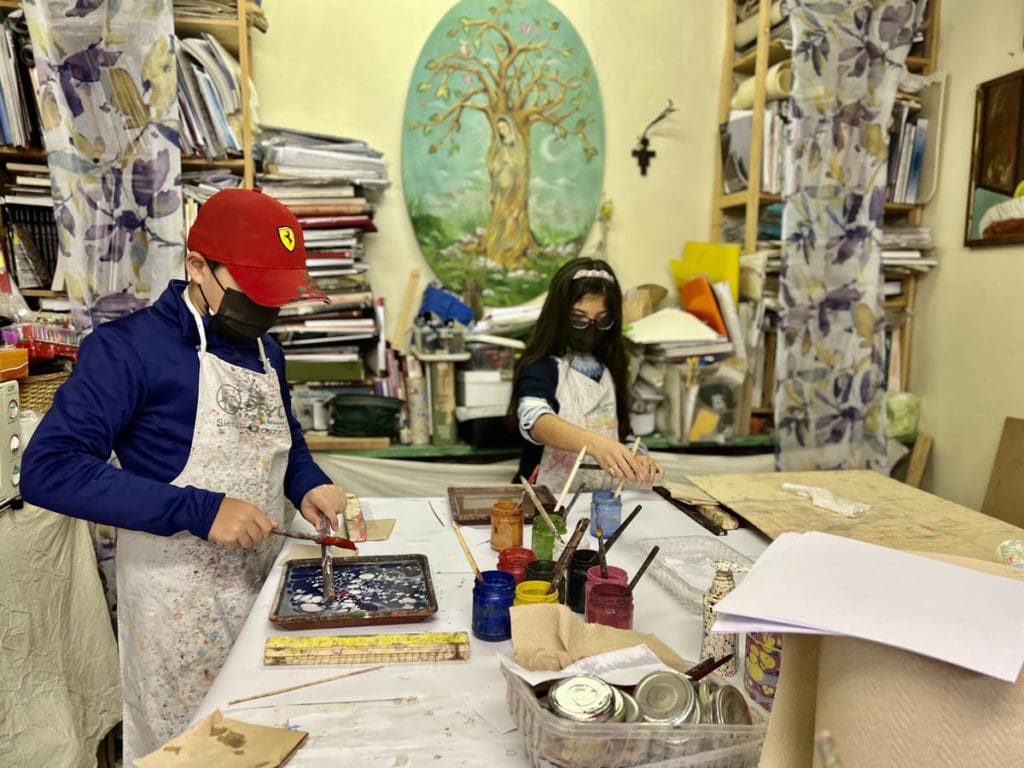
[{"x": 582, "y": 322}]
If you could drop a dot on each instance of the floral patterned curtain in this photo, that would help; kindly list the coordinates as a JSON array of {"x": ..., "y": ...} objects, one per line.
[
  {"x": 108, "y": 102},
  {"x": 830, "y": 398}
]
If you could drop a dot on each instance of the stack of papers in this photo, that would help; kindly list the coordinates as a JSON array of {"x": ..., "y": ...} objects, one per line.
[
  {"x": 818, "y": 584},
  {"x": 675, "y": 334}
]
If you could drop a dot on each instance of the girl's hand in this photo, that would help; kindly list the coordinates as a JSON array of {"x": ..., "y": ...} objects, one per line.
[
  {"x": 615, "y": 459},
  {"x": 651, "y": 471}
]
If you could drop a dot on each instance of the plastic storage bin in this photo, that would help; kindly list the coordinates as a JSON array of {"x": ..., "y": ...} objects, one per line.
[
  {"x": 685, "y": 565},
  {"x": 553, "y": 742}
]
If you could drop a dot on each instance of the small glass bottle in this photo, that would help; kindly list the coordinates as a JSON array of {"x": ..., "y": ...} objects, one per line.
[
  {"x": 611, "y": 605},
  {"x": 714, "y": 644},
  {"x": 514, "y": 560},
  {"x": 543, "y": 542},
  {"x": 543, "y": 570},
  {"x": 615, "y": 576},
  {"x": 534, "y": 593},
  {"x": 492, "y": 598},
  {"x": 606, "y": 512},
  {"x": 506, "y": 525},
  {"x": 576, "y": 581}
]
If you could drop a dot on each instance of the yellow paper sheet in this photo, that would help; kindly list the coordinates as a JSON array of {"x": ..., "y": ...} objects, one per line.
[{"x": 718, "y": 261}]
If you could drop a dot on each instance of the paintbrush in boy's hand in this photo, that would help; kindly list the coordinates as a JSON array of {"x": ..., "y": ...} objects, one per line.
[{"x": 323, "y": 539}]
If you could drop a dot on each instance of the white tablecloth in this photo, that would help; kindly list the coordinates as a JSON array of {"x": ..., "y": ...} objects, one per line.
[{"x": 447, "y": 713}]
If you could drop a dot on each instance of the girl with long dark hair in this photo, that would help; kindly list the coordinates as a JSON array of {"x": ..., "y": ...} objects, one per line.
[{"x": 571, "y": 386}]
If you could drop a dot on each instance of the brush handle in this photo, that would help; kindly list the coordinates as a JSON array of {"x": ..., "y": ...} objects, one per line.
[
  {"x": 575, "y": 498},
  {"x": 622, "y": 526},
  {"x": 602, "y": 555},
  {"x": 567, "y": 553},
  {"x": 540, "y": 509},
  {"x": 465, "y": 550},
  {"x": 571, "y": 477},
  {"x": 706, "y": 667},
  {"x": 643, "y": 568}
]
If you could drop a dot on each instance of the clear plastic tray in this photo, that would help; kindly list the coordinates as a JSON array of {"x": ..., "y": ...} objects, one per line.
[
  {"x": 553, "y": 742},
  {"x": 685, "y": 565}
]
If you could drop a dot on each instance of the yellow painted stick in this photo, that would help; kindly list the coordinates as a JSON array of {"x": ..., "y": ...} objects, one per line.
[
  {"x": 622, "y": 482},
  {"x": 465, "y": 549}
]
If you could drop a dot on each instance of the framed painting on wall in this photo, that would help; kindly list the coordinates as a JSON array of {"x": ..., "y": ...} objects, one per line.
[{"x": 995, "y": 200}]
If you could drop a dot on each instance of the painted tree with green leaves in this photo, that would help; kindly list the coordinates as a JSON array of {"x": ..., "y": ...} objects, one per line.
[{"x": 514, "y": 79}]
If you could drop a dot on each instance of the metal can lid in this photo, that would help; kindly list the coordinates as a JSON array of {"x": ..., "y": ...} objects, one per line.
[
  {"x": 665, "y": 697},
  {"x": 705, "y": 690},
  {"x": 729, "y": 707},
  {"x": 583, "y": 698},
  {"x": 619, "y": 706},
  {"x": 632, "y": 714}
]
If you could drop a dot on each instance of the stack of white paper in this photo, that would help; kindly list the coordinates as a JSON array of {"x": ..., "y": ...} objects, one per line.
[{"x": 814, "y": 583}]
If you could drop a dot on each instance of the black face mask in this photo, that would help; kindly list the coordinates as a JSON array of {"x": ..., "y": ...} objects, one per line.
[
  {"x": 585, "y": 340},
  {"x": 239, "y": 318}
]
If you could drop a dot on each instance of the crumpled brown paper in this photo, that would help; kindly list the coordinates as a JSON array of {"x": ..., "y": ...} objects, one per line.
[
  {"x": 219, "y": 741},
  {"x": 550, "y": 637},
  {"x": 890, "y": 708}
]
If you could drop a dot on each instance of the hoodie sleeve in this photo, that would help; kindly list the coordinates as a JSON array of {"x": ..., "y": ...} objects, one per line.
[{"x": 66, "y": 465}]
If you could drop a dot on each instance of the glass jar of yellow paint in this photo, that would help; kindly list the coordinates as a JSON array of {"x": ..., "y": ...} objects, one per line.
[{"x": 534, "y": 593}]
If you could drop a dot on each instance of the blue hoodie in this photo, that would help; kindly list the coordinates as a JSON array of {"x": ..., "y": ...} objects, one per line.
[{"x": 134, "y": 392}]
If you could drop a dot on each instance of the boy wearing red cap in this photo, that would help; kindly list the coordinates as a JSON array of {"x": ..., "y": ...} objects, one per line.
[{"x": 190, "y": 396}]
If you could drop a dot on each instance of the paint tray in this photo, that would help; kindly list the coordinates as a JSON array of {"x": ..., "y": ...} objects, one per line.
[
  {"x": 471, "y": 504},
  {"x": 376, "y": 589}
]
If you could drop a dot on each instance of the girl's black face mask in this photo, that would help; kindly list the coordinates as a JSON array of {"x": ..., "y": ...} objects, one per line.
[
  {"x": 239, "y": 318},
  {"x": 585, "y": 340}
]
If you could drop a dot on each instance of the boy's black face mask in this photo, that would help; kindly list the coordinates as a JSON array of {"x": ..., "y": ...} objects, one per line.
[{"x": 239, "y": 318}]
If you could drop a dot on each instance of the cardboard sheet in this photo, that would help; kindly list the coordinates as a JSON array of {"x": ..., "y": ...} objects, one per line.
[
  {"x": 900, "y": 516},
  {"x": 889, "y": 708}
]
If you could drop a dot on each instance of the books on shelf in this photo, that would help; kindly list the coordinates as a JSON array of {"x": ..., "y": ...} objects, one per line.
[
  {"x": 209, "y": 98},
  {"x": 735, "y": 138}
]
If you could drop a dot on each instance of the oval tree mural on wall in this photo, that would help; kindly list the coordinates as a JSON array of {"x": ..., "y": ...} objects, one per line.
[{"x": 502, "y": 147}]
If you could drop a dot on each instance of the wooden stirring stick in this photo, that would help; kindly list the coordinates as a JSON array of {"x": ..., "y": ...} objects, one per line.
[
  {"x": 602, "y": 559},
  {"x": 622, "y": 482},
  {"x": 571, "y": 477},
  {"x": 465, "y": 549},
  {"x": 647, "y": 561},
  {"x": 567, "y": 553},
  {"x": 622, "y": 526},
  {"x": 540, "y": 508}
]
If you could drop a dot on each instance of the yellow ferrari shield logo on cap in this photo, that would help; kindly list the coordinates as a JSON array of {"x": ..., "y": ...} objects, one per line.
[{"x": 287, "y": 236}]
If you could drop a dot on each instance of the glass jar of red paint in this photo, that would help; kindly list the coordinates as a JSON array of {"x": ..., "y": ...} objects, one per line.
[
  {"x": 611, "y": 605},
  {"x": 514, "y": 560}
]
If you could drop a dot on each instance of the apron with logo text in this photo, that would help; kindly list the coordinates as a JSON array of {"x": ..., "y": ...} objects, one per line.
[
  {"x": 183, "y": 600},
  {"x": 587, "y": 404}
]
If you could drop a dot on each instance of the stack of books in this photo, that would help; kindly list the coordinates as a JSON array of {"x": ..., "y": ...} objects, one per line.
[
  {"x": 333, "y": 186},
  {"x": 20, "y": 125},
  {"x": 908, "y": 134},
  {"x": 209, "y": 99},
  {"x": 222, "y": 9},
  {"x": 675, "y": 335}
]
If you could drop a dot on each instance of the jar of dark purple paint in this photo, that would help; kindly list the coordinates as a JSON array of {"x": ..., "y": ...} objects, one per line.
[{"x": 492, "y": 598}]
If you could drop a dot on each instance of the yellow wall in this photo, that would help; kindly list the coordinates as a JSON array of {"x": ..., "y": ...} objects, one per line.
[
  {"x": 966, "y": 360},
  {"x": 343, "y": 67}
]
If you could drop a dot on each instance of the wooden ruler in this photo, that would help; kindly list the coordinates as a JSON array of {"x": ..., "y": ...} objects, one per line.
[{"x": 367, "y": 649}]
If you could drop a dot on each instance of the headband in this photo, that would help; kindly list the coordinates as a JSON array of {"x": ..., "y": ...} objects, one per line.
[{"x": 598, "y": 273}]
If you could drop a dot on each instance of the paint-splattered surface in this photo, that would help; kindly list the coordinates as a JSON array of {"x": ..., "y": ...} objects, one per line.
[{"x": 366, "y": 590}]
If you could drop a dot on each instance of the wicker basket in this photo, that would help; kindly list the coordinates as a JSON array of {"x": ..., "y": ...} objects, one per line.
[{"x": 36, "y": 392}]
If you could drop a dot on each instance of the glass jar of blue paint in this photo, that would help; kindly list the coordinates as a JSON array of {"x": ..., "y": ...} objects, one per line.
[
  {"x": 492, "y": 598},
  {"x": 605, "y": 511}
]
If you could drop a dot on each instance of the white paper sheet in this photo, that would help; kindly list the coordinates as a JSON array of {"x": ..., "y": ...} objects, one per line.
[
  {"x": 847, "y": 587},
  {"x": 627, "y": 666}
]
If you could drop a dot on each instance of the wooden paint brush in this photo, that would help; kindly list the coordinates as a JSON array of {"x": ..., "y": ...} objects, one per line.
[
  {"x": 701, "y": 670},
  {"x": 567, "y": 553},
  {"x": 540, "y": 509},
  {"x": 571, "y": 477},
  {"x": 465, "y": 550},
  {"x": 622, "y": 526},
  {"x": 323, "y": 539},
  {"x": 643, "y": 568},
  {"x": 602, "y": 558}
]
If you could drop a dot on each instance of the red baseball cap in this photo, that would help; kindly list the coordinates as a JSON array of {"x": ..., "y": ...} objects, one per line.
[{"x": 260, "y": 242}]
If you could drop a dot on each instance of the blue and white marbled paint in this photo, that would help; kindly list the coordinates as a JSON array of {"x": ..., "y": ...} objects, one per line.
[{"x": 358, "y": 588}]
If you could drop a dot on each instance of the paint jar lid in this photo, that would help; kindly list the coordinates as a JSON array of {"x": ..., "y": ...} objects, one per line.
[
  {"x": 666, "y": 698},
  {"x": 728, "y": 707},
  {"x": 619, "y": 707},
  {"x": 705, "y": 690},
  {"x": 583, "y": 698},
  {"x": 632, "y": 713}
]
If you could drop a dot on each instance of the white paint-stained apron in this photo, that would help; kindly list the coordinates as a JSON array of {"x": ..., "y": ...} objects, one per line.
[
  {"x": 590, "y": 405},
  {"x": 182, "y": 600}
]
